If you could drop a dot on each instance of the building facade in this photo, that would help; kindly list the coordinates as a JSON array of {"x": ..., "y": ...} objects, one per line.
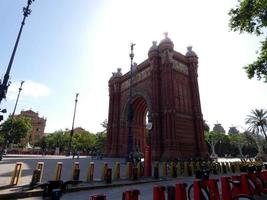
[
  {"x": 38, "y": 125},
  {"x": 165, "y": 93}
]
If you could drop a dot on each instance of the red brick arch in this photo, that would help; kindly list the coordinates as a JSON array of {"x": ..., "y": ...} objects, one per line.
[{"x": 165, "y": 85}]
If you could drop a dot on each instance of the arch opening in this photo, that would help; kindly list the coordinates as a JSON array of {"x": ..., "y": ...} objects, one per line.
[{"x": 140, "y": 119}]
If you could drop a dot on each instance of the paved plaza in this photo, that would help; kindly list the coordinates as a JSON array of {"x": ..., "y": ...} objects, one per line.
[
  {"x": 113, "y": 193},
  {"x": 7, "y": 166}
]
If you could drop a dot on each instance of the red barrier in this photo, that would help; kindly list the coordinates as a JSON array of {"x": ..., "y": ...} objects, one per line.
[
  {"x": 197, "y": 190},
  {"x": 130, "y": 195},
  {"x": 245, "y": 185},
  {"x": 213, "y": 189},
  {"x": 226, "y": 188},
  {"x": 98, "y": 197},
  {"x": 236, "y": 190},
  {"x": 159, "y": 192},
  {"x": 180, "y": 191}
]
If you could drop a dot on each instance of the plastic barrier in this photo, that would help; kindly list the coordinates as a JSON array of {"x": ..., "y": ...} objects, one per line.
[
  {"x": 226, "y": 188},
  {"x": 180, "y": 191},
  {"x": 57, "y": 172},
  {"x": 131, "y": 195},
  {"x": 197, "y": 190},
  {"x": 75, "y": 171},
  {"x": 159, "y": 192},
  {"x": 116, "y": 175},
  {"x": 104, "y": 171},
  {"x": 16, "y": 174},
  {"x": 98, "y": 197},
  {"x": 90, "y": 172},
  {"x": 245, "y": 185},
  {"x": 213, "y": 189},
  {"x": 171, "y": 192}
]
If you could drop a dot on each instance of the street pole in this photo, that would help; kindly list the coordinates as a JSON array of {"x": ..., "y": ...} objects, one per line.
[
  {"x": 72, "y": 128},
  {"x": 6, "y": 141},
  {"x": 130, "y": 110},
  {"x": 5, "y": 83}
]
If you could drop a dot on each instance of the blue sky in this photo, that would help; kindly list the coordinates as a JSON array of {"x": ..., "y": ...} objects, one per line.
[{"x": 72, "y": 46}]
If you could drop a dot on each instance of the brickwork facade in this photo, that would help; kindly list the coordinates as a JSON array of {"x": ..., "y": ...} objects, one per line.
[
  {"x": 165, "y": 88},
  {"x": 38, "y": 125}
]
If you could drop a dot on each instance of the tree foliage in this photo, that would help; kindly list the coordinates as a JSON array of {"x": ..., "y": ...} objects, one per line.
[
  {"x": 251, "y": 16},
  {"x": 257, "y": 122},
  {"x": 16, "y": 130}
]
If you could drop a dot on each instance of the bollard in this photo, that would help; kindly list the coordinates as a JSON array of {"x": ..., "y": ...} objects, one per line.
[
  {"x": 116, "y": 175},
  {"x": 108, "y": 175},
  {"x": 104, "y": 171},
  {"x": 40, "y": 166},
  {"x": 16, "y": 174},
  {"x": 98, "y": 197},
  {"x": 75, "y": 171},
  {"x": 131, "y": 195},
  {"x": 159, "y": 192},
  {"x": 56, "y": 194},
  {"x": 90, "y": 172},
  {"x": 134, "y": 173},
  {"x": 35, "y": 177},
  {"x": 156, "y": 171},
  {"x": 164, "y": 169},
  {"x": 57, "y": 172},
  {"x": 129, "y": 170},
  {"x": 192, "y": 168},
  {"x": 185, "y": 168},
  {"x": 224, "y": 169},
  {"x": 179, "y": 168},
  {"x": 173, "y": 170},
  {"x": 171, "y": 192},
  {"x": 213, "y": 189},
  {"x": 138, "y": 169},
  {"x": 180, "y": 191}
]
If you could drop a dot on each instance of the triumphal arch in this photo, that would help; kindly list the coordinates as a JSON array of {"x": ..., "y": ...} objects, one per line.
[{"x": 164, "y": 94}]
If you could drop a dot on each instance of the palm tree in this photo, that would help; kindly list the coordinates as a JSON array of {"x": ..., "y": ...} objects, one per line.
[{"x": 257, "y": 122}]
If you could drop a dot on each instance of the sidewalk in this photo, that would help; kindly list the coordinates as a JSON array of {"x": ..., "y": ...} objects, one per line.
[{"x": 23, "y": 191}]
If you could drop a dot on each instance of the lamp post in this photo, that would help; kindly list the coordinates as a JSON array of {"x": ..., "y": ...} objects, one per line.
[
  {"x": 72, "y": 128},
  {"x": 130, "y": 110},
  {"x": 6, "y": 141},
  {"x": 5, "y": 83}
]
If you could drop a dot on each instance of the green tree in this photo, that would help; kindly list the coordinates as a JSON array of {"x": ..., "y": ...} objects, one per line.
[
  {"x": 257, "y": 122},
  {"x": 212, "y": 138},
  {"x": 250, "y": 16},
  {"x": 16, "y": 130},
  {"x": 239, "y": 140}
]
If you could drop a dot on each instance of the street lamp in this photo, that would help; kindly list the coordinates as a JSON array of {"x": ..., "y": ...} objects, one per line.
[
  {"x": 5, "y": 83},
  {"x": 72, "y": 129},
  {"x": 6, "y": 141},
  {"x": 130, "y": 109}
]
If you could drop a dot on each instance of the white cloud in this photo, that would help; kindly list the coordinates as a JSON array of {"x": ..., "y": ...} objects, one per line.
[{"x": 29, "y": 89}]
